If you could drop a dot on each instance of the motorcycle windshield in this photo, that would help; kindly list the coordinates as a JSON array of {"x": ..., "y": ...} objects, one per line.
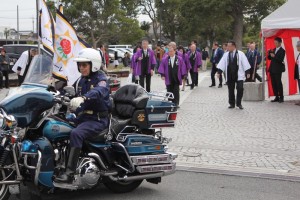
[{"x": 40, "y": 71}]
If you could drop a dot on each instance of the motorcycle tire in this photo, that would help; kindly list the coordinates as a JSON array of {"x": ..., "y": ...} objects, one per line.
[
  {"x": 121, "y": 186},
  {"x": 4, "y": 192}
]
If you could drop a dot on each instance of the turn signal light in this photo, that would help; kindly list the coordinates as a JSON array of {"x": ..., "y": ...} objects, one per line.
[{"x": 172, "y": 116}]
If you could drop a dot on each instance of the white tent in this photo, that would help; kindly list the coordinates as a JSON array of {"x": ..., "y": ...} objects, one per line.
[
  {"x": 284, "y": 23},
  {"x": 285, "y": 17}
]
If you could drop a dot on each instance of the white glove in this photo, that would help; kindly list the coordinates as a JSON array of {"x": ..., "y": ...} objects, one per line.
[{"x": 75, "y": 103}]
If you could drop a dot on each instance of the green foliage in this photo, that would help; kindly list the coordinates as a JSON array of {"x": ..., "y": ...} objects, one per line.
[{"x": 104, "y": 21}]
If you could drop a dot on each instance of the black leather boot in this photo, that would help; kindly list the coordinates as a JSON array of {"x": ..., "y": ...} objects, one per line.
[{"x": 67, "y": 176}]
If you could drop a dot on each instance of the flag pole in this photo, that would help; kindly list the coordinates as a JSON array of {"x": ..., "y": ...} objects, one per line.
[{"x": 37, "y": 26}]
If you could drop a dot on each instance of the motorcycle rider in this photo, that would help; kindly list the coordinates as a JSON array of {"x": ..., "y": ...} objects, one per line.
[{"x": 91, "y": 106}]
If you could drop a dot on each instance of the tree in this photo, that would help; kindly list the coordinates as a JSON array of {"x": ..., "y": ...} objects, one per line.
[
  {"x": 216, "y": 20},
  {"x": 168, "y": 15},
  {"x": 145, "y": 26},
  {"x": 204, "y": 21},
  {"x": 102, "y": 21},
  {"x": 254, "y": 10},
  {"x": 148, "y": 8}
]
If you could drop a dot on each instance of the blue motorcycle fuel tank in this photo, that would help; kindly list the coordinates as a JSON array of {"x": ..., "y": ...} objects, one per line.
[
  {"x": 27, "y": 102},
  {"x": 56, "y": 130}
]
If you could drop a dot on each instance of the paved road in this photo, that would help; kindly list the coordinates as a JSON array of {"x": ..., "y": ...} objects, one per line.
[
  {"x": 263, "y": 138},
  {"x": 193, "y": 186}
]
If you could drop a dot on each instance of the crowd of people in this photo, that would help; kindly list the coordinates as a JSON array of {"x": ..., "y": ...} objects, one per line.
[{"x": 179, "y": 66}]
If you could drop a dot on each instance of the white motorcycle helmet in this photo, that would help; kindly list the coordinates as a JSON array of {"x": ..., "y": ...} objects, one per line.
[{"x": 90, "y": 55}]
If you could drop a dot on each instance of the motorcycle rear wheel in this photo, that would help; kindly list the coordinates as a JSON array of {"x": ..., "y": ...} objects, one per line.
[
  {"x": 4, "y": 192},
  {"x": 121, "y": 186}
]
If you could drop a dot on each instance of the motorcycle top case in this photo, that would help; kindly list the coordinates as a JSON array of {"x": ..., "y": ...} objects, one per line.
[
  {"x": 140, "y": 144},
  {"x": 155, "y": 115}
]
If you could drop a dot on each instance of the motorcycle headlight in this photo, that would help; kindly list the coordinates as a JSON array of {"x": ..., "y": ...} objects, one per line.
[{"x": 7, "y": 121}]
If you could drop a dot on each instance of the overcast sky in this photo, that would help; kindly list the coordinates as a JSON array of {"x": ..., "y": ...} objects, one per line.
[{"x": 27, "y": 11}]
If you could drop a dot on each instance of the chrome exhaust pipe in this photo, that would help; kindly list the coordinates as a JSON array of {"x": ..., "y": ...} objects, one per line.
[
  {"x": 9, "y": 182},
  {"x": 141, "y": 177}
]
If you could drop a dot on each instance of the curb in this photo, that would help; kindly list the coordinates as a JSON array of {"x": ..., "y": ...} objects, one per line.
[{"x": 242, "y": 172}]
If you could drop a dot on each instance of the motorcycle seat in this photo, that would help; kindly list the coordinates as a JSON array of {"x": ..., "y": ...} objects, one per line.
[
  {"x": 129, "y": 98},
  {"x": 118, "y": 124},
  {"x": 100, "y": 137}
]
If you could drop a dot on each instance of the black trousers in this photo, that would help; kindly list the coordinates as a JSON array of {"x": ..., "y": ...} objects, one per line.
[
  {"x": 148, "y": 81},
  {"x": 214, "y": 70},
  {"x": 20, "y": 79},
  {"x": 256, "y": 76},
  {"x": 4, "y": 74},
  {"x": 299, "y": 84},
  {"x": 231, "y": 93},
  {"x": 194, "y": 77},
  {"x": 277, "y": 84},
  {"x": 174, "y": 88}
]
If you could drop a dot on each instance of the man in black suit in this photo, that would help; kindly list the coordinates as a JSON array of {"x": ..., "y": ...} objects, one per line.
[
  {"x": 276, "y": 69},
  {"x": 216, "y": 56}
]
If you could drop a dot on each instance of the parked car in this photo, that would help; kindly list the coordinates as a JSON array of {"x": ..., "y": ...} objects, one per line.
[
  {"x": 120, "y": 53},
  {"x": 14, "y": 51}
]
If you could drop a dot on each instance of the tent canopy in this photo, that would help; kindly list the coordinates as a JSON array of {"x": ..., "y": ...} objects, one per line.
[{"x": 285, "y": 17}]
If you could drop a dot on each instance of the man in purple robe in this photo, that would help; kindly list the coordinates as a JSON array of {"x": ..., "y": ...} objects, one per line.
[
  {"x": 196, "y": 62},
  {"x": 173, "y": 71},
  {"x": 174, "y": 46},
  {"x": 145, "y": 62},
  {"x": 135, "y": 77}
]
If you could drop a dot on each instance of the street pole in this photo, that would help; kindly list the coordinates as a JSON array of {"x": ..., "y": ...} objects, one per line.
[
  {"x": 18, "y": 34},
  {"x": 263, "y": 67},
  {"x": 5, "y": 32}
]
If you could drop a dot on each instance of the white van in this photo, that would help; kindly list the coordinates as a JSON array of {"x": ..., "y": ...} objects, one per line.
[{"x": 122, "y": 46}]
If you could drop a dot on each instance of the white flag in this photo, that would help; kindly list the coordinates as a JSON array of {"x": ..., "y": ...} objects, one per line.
[
  {"x": 46, "y": 27},
  {"x": 67, "y": 45}
]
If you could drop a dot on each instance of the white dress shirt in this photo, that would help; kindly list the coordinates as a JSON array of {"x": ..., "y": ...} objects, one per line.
[{"x": 172, "y": 61}]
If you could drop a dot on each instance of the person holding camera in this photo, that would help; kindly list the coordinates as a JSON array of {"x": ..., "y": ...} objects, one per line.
[{"x": 276, "y": 68}]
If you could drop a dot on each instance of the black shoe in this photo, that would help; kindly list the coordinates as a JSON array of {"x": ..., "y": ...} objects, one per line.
[
  {"x": 231, "y": 106},
  {"x": 212, "y": 85},
  {"x": 220, "y": 86},
  {"x": 67, "y": 176},
  {"x": 240, "y": 107},
  {"x": 196, "y": 85},
  {"x": 281, "y": 100},
  {"x": 275, "y": 100}
]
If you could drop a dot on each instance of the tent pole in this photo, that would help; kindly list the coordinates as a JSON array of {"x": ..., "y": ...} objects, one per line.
[{"x": 263, "y": 67}]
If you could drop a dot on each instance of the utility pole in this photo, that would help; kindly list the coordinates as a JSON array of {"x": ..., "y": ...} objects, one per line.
[
  {"x": 32, "y": 24},
  {"x": 18, "y": 34}
]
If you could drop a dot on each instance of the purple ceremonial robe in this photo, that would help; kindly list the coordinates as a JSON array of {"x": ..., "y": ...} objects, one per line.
[
  {"x": 178, "y": 53},
  {"x": 138, "y": 63},
  {"x": 164, "y": 69},
  {"x": 133, "y": 65},
  {"x": 198, "y": 61},
  {"x": 187, "y": 63}
]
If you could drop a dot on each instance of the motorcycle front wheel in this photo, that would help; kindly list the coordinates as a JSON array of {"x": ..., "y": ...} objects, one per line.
[
  {"x": 4, "y": 192},
  {"x": 122, "y": 186}
]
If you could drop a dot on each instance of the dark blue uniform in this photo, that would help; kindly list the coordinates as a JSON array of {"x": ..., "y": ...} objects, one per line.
[{"x": 92, "y": 115}]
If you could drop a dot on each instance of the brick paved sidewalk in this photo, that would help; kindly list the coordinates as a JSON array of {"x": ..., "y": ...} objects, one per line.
[{"x": 264, "y": 137}]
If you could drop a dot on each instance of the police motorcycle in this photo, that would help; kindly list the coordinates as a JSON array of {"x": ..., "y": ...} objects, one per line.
[{"x": 35, "y": 137}]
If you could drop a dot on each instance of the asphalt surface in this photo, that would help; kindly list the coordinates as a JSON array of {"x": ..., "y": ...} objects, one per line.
[{"x": 191, "y": 186}]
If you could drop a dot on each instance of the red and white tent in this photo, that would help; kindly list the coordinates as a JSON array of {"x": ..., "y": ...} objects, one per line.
[{"x": 285, "y": 23}]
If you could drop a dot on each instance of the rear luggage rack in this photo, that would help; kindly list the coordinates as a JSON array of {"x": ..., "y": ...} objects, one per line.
[{"x": 161, "y": 95}]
